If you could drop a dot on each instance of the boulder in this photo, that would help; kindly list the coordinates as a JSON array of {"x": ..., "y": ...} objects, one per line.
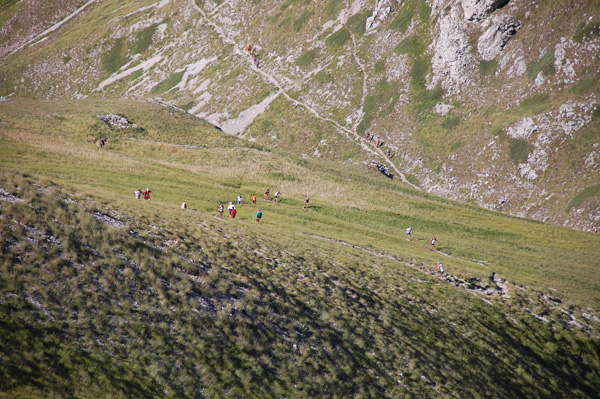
[
  {"x": 117, "y": 121},
  {"x": 522, "y": 129},
  {"x": 478, "y": 10},
  {"x": 492, "y": 41}
]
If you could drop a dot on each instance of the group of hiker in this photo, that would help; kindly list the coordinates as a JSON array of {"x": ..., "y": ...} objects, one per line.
[
  {"x": 240, "y": 200},
  {"x": 252, "y": 51},
  {"x": 378, "y": 143},
  {"x": 142, "y": 194},
  {"x": 432, "y": 243}
]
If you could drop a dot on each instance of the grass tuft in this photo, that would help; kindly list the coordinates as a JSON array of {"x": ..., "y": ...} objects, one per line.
[
  {"x": 545, "y": 65},
  {"x": 519, "y": 150},
  {"x": 587, "y": 193}
]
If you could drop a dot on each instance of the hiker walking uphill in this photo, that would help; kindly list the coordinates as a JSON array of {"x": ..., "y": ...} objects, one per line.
[
  {"x": 267, "y": 194},
  {"x": 230, "y": 208},
  {"x": 408, "y": 233},
  {"x": 221, "y": 208},
  {"x": 253, "y": 198},
  {"x": 433, "y": 241},
  {"x": 258, "y": 216},
  {"x": 440, "y": 269},
  {"x": 306, "y": 202}
]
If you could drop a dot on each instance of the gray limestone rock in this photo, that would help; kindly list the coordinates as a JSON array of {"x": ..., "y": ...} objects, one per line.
[
  {"x": 492, "y": 41},
  {"x": 522, "y": 129},
  {"x": 477, "y": 10}
]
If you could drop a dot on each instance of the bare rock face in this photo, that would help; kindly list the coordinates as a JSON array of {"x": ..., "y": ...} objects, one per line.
[
  {"x": 478, "y": 10},
  {"x": 383, "y": 9},
  {"x": 522, "y": 129},
  {"x": 493, "y": 40},
  {"x": 452, "y": 63}
]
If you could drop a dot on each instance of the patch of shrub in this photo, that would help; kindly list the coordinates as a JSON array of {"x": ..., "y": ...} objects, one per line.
[
  {"x": 536, "y": 104},
  {"x": 143, "y": 39},
  {"x": 116, "y": 57},
  {"x": 456, "y": 145},
  {"x": 411, "y": 45},
  {"x": 306, "y": 58},
  {"x": 302, "y": 20},
  {"x": 402, "y": 21},
  {"x": 545, "y": 65},
  {"x": 338, "y": 39},
  {"x": 519, "y": 150},
  {"x": 587, "y": 193},
  {"x": 586, "y": 31},
  {"x": 450, "y": 123},
  {"x": 583, "y": 86},
  {"x": 488, "y": 68},
  {"x": 168, "y": 83},
  {"x": 358, "y": 22},
  {"x": 596, "y": 114}
]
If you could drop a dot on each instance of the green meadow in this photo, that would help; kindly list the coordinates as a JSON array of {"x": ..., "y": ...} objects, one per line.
[{"x": 103, "y": 295}]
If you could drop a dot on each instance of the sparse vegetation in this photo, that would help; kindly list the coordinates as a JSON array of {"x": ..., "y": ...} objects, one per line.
[
  {"x": 339, "y": 38},
  {"x": 586, "y": 31},
  {"x": 168, "y": 83},
  {"x": 116, "y": 57}
]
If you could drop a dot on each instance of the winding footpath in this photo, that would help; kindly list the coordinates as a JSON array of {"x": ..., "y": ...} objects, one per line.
[{"x": 350, "y": 134}]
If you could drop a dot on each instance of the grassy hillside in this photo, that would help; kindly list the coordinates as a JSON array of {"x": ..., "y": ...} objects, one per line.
[{"x": 103, "y": 295}]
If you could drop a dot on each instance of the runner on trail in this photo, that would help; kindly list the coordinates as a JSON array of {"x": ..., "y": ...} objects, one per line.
[
  {"x": 441, "y": 269},
  {"x": 239, "y": 199},
  {"x": 267, "y": 194},
  {"x": 388, "y": 153},
  {"x": 258, "y": 216},
  {"x": 221, "y": 208},
  {"x": 253, "y": 199},
  {"x": 277, "y": 194},
  {"x": 233, "y": 213},
  {"x": 147, "y": 194},
  {"x": 138, "y": 193},
  {"x": 230, "y": 208},
  {"x": 306, "y": 202},
  {"x": 102, "y": 142},
  {"x": 433, "y": 241},
  {"x": 408, "y": 233}
]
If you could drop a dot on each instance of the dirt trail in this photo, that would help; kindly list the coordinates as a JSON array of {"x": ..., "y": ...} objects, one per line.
[{"x": 350, "y": 134}]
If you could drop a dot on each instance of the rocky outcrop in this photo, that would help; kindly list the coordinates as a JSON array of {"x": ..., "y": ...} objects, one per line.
[
  {"x": 442, "y": 109},
  {"x": 452, "y": 62},
  {"x": 493, "y": 40},
  {"x": 522, "y": 129},
  {"x": 383, "y": 9},
  {"x": 117, "y": 121},
  {"x": 478, "y": 10}
]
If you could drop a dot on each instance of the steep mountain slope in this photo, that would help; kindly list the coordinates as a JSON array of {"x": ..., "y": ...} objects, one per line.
[
  {"x": 492, "y": 102},
  {"x": 103, "y": 295}
]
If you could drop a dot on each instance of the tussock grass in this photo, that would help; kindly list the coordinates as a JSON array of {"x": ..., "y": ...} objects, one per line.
[{"x": 488, "y": 68}]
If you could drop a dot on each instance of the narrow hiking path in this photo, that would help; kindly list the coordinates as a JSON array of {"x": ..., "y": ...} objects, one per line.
[
  {"x": 350, "y": 134},
  {"x": 44, "y": 35}
]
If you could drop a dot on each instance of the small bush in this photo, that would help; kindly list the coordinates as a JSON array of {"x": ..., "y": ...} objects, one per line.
[
  {"x": 379, "y": 66},
  {"x": 596, "y": 114},
  {"x": 519, "y": 150},
  {"x": 587, "y": 193},
  {"x": 545, "y": 65},
  {"x": 456, "y": 145}
]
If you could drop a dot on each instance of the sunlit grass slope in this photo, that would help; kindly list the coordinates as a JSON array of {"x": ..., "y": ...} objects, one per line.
[{"x": 103, "y": 295}]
